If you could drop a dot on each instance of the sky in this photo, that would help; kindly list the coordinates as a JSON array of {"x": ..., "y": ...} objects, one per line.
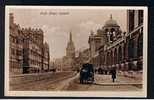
[{"x": 58, "y": 23}]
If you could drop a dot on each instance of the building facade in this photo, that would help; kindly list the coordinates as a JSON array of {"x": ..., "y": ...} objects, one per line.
[
  {"x": 28, "y": 52},
  {"x": 16, "y": 47},
  {"x": 123, "y": 50},
  {"x": 46, "y": 57},
  {"x": 83, "y": 57},
  {"x": 32, "y": 50},
  {"x": 70, "y": 49}
]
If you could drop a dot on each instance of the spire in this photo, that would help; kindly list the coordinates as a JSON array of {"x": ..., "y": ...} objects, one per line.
[
  {"x": 110, "y": 16},
  {"x": 70, "y": 47},
  {"x": 70, "y": 36}
]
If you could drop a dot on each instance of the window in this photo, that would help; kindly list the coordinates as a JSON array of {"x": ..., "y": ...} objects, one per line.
[
  {"x": 17, "y": 41},
  {"x": 12, "y": 51},
  {"x": 131, "y": 20},
  {"x": 140, "y": 16},
  {"x": 13, "y": 39},
  {"x": 106, "y": 30}
]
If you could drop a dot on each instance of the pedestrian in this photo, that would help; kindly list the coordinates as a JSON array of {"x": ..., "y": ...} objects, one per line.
[{"x": 113, "y": 73}]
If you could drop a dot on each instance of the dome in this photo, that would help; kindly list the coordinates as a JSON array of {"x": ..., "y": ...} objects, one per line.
[{"x": 111, "y": 22}]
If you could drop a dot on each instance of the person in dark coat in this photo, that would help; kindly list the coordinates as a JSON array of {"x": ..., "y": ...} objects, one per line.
[{"x": 113, "y": 73}]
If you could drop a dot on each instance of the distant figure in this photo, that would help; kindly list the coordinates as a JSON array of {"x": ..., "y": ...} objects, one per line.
[{"x": 113, "y": 73}]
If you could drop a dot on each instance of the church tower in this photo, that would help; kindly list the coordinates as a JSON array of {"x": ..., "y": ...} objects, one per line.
[
  {"x": 112, "y": 29},
  {"x": 70, "y": 49}
]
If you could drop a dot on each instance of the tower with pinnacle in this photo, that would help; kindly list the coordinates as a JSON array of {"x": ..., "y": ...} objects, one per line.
[{"x": 70, "y": 49}]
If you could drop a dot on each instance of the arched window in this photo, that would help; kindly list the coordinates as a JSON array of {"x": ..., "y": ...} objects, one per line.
[
  {"x": 112, "y": 30},
  {"x": 103, "y": 59},
  {"x": 124, "y": 51},
  {"x": 119, "y": 55},
  {"x": 108, "y": 58},
  {"x": 111, "y": 55},
  {"x": 131, "y": 48},
  {"x": 115, "y": 56},
  {"x": 140, "y": 46},
  {"x": 106, "y": 30}
]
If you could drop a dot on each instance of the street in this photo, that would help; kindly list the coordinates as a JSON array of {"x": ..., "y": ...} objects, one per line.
[
  {"x": 36, "y": 82},
  {"x": 104, "y": 83},
  {"x": 69, "y": 81}
]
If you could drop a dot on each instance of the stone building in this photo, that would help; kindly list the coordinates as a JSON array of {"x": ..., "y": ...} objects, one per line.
[
  {"x": 83, "y": 57},
  {"x": 58, "y": 64},
  {"x": 69, "y": 59},
  {"x": 16, "y": 47},
  {"x": 70, "y": 49},
  {"x": 46, "y": 57},
  {"x": 32, "y": 50},
  {"x": 123, "y": 50},
  {"x": 28, "y": 53},
  {"x": 94, "y": 43}
]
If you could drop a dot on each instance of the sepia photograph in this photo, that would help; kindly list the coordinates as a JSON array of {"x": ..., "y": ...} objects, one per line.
[{"x": 75, "y": 51}]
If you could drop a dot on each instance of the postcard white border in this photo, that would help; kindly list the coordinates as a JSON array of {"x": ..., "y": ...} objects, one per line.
[{"x": 74, "y": 93}]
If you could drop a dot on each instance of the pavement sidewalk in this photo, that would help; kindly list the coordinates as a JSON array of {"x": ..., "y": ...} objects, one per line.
[{"x": 120, "y": 80}]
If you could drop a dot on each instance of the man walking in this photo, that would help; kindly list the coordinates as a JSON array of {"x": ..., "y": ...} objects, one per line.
[{"x": 113, "y": 72}]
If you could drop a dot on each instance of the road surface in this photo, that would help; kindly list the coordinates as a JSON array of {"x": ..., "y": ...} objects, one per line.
[
  {"x": 45, "y": 82},
  {"x": 69, "y": 81}
]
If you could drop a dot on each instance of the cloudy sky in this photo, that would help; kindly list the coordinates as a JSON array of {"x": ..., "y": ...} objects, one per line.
[{"x": 57, "y": 24}]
